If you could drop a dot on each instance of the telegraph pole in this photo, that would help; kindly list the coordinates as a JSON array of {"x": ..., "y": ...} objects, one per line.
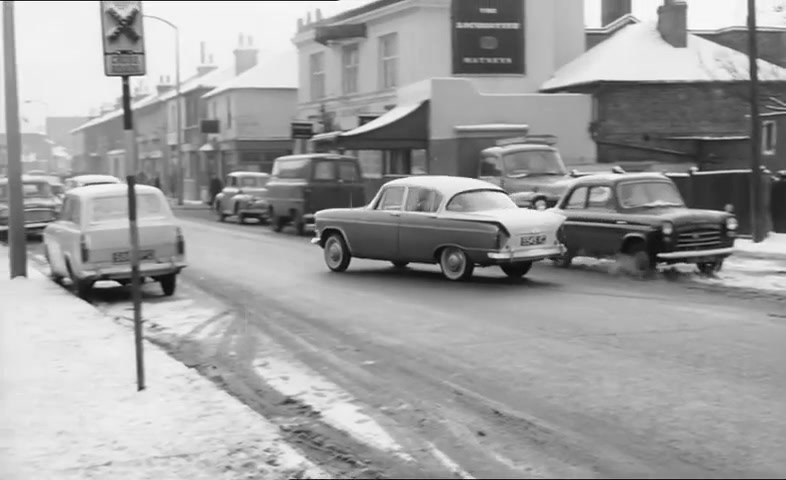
[
  {"x": 17, "y": 238},
  {"x": 756, "y": 213}
]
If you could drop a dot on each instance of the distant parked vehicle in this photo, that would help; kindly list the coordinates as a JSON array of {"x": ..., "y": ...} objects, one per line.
[
  {"x": 456, "y": 222},
  {"x": 90, "y": 240},
  {"x": 243, "y": 197},
  {"x": 642, "y": 217},
  {"x": 90, "y": 180},
  {"x": 302, "y": 185},
  {"x": 40, "y": 204}
]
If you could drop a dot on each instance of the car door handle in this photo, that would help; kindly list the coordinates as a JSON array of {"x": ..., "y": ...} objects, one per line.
[
  {"x": 395, "y": 213},
  {"x": 621, "y": 222}
]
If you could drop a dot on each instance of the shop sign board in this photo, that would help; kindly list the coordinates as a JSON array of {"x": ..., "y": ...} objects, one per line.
[{"x": 488, "y": 37}]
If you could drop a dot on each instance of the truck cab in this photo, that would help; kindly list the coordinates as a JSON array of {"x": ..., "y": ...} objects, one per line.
[{"x": 530, "y": 170}]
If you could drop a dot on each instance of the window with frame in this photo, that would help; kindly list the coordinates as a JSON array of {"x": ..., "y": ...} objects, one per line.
[
  {"x": 229, "y": 112},
  {"x": 577, "y": 200},
  {"x": 769, "y": 137},
  {"x": 392, "y": 198},
  {"x": 350, "y": 66},
  {"x": 317, "y": 75},
  {"x": 600, "y": 198},
  {"x": 324, "y": 170},
  {"x": 388, "y": 61},
  {"x": 422, "y": 200}
]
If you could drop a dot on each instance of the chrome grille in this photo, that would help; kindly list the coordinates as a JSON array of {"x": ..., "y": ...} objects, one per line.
[
  {"x": 699, "y": 238},
  {"x": 36, "y": 216}
]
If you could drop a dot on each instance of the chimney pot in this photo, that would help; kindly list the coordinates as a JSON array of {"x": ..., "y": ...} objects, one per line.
[
  {"x": 308, "y": 18},
  {"x": 318, "y": 15},
  {"x": 673, "y": 22}
]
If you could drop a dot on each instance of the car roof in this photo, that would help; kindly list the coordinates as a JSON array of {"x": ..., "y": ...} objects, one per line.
[
  {"x": 317, "y": 156},
  {"x": 28, "y": 179},
  {"x": 110, "y": 189},
  {"x": 613, "y": 178},
  {"x": 519, "y": 147},
  {"x": 95, "y": 178},
  {"x": 249, "y": 174},
  {"x": 445, "y": 184}
]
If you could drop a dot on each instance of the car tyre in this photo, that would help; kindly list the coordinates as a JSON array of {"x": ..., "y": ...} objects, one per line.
[
  {"x": 400, "y": 264},
  {"x": 82, "y": 288},
  {"x": 168, "y": 284},
  {"x": 563, "y": 261},
  {"x": 455, "y": 264},
  {"x": 221, "y": 216},
  {"x": 641, "y": 261},
  {"x": 336, "y": 252},
  {"x": 540, "y": 204},
  {"x": 300, "y": 228},
  {"x": 58, "y": 279},
  {"x": 516, "y": 270},
  {"x": 710, "y": 268}
]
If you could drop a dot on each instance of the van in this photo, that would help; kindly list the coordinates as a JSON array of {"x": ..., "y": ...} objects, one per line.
[{"x": 302, "y": 185}]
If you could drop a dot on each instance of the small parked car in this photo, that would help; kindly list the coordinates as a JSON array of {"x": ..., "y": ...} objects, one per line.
[
  {"x": 90, "y": 179},
  {"x": 642, "y": 217},
  {"x": 40, "y": 204},
  {"x": 302, "y": 185},
  {"x": 243, "y": 196},
  {"x": 456, "y": 222},
  {"x": 90, "y": 240}
]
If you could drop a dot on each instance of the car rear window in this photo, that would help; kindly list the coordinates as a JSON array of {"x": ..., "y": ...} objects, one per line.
[
  {"x": 30, "y": 189},
  {"x": 106, "y": 209},
  {"x": 295, "y": 168},
  {"x": 348, "y": 171}
]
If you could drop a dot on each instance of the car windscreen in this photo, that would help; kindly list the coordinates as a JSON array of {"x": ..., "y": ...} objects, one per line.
[
  {"x": 294, "y": 168},
  {"x": 30, "y": 190},
  {"x": 252, "y": 182},
  {"x": 649, "y": 195},
  {"x": 479, "y": 201},
  {"x": 107, "y": 209},
  {"x": 526, "y": 163}
]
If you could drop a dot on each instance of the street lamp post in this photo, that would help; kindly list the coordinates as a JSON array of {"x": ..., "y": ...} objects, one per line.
[{"x": 179, "y": 120}]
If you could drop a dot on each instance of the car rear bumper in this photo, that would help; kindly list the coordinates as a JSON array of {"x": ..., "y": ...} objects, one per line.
[
  {"x": 121, "y": 272},
  {"x": 696, "y": 255},
  {"x": 529, "y": 255},
  {"x": 29, "y": 227},
  {"x": 261, "y": 212}
]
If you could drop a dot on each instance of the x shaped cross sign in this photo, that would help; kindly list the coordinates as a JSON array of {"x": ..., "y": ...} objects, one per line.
[{"x": 125, "y": 24}]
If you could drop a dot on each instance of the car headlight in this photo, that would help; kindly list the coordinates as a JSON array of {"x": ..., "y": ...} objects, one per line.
[
  {"x": 667, "y": 228},
  {"x": 732, "y": 224}
]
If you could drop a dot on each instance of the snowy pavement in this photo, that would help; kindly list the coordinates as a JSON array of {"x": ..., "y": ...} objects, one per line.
[
  {"x": 70, "y": 408},
  {"x": 773, "y": 247}
]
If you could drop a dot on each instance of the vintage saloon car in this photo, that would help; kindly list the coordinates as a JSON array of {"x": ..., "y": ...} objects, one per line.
[
  {"x": 456, "y": 222},
  {"x": 243, "y": 196},
  {"x": 90, "y": 240},
  {"x": 40, "y": 203},
  {"x": 89, "y": 180},
  {"x": 642, "y": 217}
]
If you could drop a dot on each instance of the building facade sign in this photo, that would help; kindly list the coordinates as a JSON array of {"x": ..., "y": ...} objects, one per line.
[{"x": 488, "y": 37}]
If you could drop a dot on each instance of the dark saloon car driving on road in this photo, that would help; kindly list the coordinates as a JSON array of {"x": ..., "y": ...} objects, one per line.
[{"x": 642, "y": 217}]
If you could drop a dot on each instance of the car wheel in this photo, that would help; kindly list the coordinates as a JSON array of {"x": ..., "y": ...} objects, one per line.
[
  {"x": 54, "y": 276},
  {"x": 639, "y": 261},
  {"x": 300, "y": 227},
  {"x": 540, "y": 204},
  {"x": 516, "y": 270},
  {"x": 82, "y": 288},
  {"x": 263, "y": 220},
  {"x": 4, "y": 236},
  {"x": 455, "y": 265},
  {"x": 240, "y": 217},
  {"x": 278, "y": 224},
  {"x": 710, "y": 268},
  {"x": 337, "y": 256},
  {"x": 563, "y": 261},
  {"x": 168, "y": 284},
  {"x": 219, "y": 212},
  {"x": 400, "y": 264}
]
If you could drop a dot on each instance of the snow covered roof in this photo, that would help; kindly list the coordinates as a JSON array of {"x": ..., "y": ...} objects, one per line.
[
  {"x": 149, "y": 100},
  {"x": 277, "y": 71},
  {"x": 637, "y": 53}
]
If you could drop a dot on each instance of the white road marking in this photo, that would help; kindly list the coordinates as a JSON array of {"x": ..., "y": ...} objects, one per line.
[{"x": 448, "y": 463}]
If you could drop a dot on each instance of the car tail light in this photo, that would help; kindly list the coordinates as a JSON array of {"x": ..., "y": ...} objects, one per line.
[
  {"x": 84, "y": 248},
  {"x": 181, "y": 242},
  {"x": 502, "y": 238}
]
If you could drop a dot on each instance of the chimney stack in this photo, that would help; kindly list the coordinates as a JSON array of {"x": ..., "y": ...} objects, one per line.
[
  {"x": 613, "y": 10},
  {"x": 673, "y": 22},
  {"x": 205, "y": 61},
  {"x": 318, "y": 15},
  {"x": 246, "y": 55},
  {"x": 164, "y": 85}
]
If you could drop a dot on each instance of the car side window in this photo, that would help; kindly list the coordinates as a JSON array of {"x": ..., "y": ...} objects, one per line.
[
  {"x": 348, "y": 171},
  {"x": 577, "y": 200},
  {"x": 230, "y": 181},
  {"x": 422, "y": 200},
  {"x": 600, "y": 198},
  {"x": 66, "y": 210},
  {"x": 392, "y": 198},
  {"x": 324, "y": 170},
  {"x": 490, "y": 166}
]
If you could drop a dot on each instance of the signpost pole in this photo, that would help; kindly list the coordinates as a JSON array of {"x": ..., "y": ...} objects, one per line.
[
  {"x": 16, "y": 221},
  {"x": 756, "y": 212},
  {"x": 136, "y": 288}
]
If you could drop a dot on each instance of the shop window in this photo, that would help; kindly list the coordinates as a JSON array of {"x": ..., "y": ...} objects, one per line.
[
  {"x": 769, "y": 137},
  {"x": 398, "y": 162},
  {"x": 388, "y": 61},
  {"x": 350, "y": 60},
  {"x": 419, "y": 162},
  {"x": 371, "y": 163},
  {"x": 317, "y": 74}
]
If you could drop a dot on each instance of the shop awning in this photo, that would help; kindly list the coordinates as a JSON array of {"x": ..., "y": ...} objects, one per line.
[{"x": 404, "y": 127}]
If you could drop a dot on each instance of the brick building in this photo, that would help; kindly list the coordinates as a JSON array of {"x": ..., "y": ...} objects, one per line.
[{"x": 665, "y": 95}]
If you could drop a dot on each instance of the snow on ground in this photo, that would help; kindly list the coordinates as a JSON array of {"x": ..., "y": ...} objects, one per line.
[
  {"x": 71, "y": 409},
  {"x": 773, "y": 246}
]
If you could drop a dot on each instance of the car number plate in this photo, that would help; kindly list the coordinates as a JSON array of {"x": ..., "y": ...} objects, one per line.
[
  {"x": 125, "y": 257},
  {"x": 532, "y": 240}
]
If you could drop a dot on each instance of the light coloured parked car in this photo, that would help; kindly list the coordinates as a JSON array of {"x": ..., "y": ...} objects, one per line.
[
  {"x": 90, "y": 240},
  {"x": 89, "y": 180},
  {"x": 243, "y": 196},
  {"x": 456, "y": 222}
]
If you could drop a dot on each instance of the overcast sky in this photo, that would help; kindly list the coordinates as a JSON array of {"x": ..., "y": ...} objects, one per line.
[{"x": 59, "y": 42}]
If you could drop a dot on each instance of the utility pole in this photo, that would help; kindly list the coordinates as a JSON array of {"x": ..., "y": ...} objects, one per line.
[
  {"x": 756, "y": 200},
  {"x": 17, "y": 238}
]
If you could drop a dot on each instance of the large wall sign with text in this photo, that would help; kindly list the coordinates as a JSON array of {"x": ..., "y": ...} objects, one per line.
[{"x": 488, "y": 37}]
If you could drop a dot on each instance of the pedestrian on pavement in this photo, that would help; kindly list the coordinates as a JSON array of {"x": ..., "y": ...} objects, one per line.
[{"x": 157, "y": 182}]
